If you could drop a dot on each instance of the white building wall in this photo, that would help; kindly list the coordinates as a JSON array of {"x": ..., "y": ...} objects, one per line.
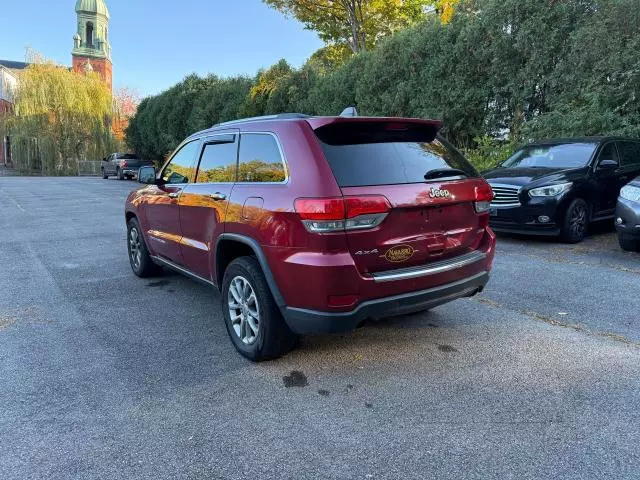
[{"x": 8, "y": 85}]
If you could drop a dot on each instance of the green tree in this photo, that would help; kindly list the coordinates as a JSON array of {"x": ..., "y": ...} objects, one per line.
[
  {"x": 597, "y": 82},
  {"x": 359, "y": 24},
  {"x": 69, "y": 112},
  {"x": 498, "y": 73}
]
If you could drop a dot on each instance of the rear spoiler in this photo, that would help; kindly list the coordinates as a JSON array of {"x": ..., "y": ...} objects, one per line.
[
  {"x": 318, "y": 122},
  {"x": 354, "y": 130}
]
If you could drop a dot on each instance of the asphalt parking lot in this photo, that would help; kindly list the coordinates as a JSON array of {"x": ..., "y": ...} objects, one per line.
[{"x": 104, "y": 375}]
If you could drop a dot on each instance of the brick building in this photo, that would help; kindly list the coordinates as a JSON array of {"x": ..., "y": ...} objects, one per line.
[{"x": 91, "y": 47}]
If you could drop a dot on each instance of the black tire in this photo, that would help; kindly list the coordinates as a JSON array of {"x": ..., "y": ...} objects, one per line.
[
  {"x": 629, "y": 244},
  {"x": 119, "y": 174},
  {"x": 139, "y": 257},
  {"x": 576, "y": 222},
  {"x": 273, "y": 338},
  {"x": 104, "y": 175}
]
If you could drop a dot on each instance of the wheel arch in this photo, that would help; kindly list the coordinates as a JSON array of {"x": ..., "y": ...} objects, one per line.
[
  {"x": 581, "y": 193},
  {"x": 230, "y": 246}
]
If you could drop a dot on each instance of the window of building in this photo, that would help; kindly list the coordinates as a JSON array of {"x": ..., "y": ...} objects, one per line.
[
  {"x": 260, "y": 159},
  {"x": 89, "y": 34}
]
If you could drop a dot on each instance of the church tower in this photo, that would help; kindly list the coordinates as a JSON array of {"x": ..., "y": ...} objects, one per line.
[{"x": 91, "y": 47}]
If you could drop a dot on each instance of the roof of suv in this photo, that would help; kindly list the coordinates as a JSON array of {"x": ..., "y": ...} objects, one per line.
[
  {"x": 315, "y": 121},
  {"x": 556, "y": 141}
]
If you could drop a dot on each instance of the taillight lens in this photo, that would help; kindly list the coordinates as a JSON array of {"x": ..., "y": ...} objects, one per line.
[
  {"x": 366, "y": 205},
  {"x": 320, "y": 208},
  {"x": 484, "y": 195},
  {"x": 322, "y": 215}
]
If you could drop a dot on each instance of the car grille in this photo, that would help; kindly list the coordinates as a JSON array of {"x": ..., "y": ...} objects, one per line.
[{"x": 505, "y": 195}]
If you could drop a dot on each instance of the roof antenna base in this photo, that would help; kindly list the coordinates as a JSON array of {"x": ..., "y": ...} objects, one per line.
[{"x": 349, "y": 112}]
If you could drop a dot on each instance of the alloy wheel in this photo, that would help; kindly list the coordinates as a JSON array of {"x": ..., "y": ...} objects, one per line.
[
  {"x": 244, "y": 310},
  {"x": 135, "y": 251},
  {"x": 578, "y": 221}
]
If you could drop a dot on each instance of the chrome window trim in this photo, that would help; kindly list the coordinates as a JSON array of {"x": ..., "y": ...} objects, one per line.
[
  {"x": 432, "y": 269},
  {"x": 282, "y": 158}
]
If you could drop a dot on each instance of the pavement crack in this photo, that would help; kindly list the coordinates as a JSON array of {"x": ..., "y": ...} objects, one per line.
[
  {"x": 6, "y": 322},
  {"x": 565, "y": 261},
  {"x": 12, "y": 200},
  {"x": 548, "y": 319}
]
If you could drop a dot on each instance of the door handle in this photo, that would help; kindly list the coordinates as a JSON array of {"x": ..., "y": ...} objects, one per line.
[
  {"x": 174, "y": 194},
  {"x": 218, "y": 196}
]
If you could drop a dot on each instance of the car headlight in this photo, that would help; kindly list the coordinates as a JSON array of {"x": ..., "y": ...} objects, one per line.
[
  {"x": 550, "y": 190},
  {"x": 630, "y": 192}
]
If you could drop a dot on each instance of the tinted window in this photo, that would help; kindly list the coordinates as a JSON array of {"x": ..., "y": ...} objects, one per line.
[
  {"x": 260, "y": 159},
  {"x": 630, "y": 152},
  {"x": 218, "y": 162},
  {"x": 609, "y": 152},
  {"x": 181, "y": 168},
  {"x": 567, "y": 155},
  {"x": 127, "y": 156},
  {"x": 366, "y": 155}
]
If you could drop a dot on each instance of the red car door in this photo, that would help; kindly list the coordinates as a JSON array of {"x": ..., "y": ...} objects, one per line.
[
  {"x": 204, "y": 204},
  {"x": 161, "y": 203}
]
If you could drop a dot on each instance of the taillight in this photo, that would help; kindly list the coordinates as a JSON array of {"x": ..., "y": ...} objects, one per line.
[
  {"x": 322, "y": 215},
  {"x": 484, "y": 195}
]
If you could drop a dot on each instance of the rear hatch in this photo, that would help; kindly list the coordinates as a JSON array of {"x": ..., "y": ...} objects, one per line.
[{"x": 436, "y": 202}]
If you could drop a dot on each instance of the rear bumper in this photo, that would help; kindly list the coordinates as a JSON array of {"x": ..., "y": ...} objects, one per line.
[{"x": 303, "y": 321}]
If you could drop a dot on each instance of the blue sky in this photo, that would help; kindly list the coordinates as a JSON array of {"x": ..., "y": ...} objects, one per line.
[{"x": 156, "y": 43}]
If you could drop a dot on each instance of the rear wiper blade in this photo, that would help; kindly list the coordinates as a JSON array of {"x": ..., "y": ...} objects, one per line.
[{"x": 445, "y": 172}]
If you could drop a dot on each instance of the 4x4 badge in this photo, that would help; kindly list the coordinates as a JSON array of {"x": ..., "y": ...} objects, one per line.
[{"x": 399, "y": 253}]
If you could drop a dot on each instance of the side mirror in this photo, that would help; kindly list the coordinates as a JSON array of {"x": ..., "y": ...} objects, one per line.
[
  {"x": 607, "y": 164},
  {"x": 147, "y": 175}
]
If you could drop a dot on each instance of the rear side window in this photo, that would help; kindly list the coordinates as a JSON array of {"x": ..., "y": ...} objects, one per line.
[
  {"x": 218, "y": 160},
  {"x": 629, "y": 152},
  {"x": 383, "y": 154},
  {"x": 260, "y": 159}
]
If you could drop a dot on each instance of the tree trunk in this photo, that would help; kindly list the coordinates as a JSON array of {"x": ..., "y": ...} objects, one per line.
[{"x": 354, "y": 12}]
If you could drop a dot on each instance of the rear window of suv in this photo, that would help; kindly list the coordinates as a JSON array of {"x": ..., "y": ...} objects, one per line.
[{"x": 362, "y": 154}]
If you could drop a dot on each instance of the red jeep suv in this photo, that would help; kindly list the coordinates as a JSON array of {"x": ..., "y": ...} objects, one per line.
[{"x": 315, "y": 224}]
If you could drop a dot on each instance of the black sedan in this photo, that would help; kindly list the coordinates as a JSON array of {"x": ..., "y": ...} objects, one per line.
[
  {"x": 628, "y": 217},
  {"x": 557, "y": 187}
]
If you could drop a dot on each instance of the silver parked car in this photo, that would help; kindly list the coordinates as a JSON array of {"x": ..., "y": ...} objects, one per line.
[{"x": 628, "y": 216}]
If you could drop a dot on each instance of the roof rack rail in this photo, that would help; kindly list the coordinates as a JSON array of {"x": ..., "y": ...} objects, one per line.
[{"x": 281, "y": 116}]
